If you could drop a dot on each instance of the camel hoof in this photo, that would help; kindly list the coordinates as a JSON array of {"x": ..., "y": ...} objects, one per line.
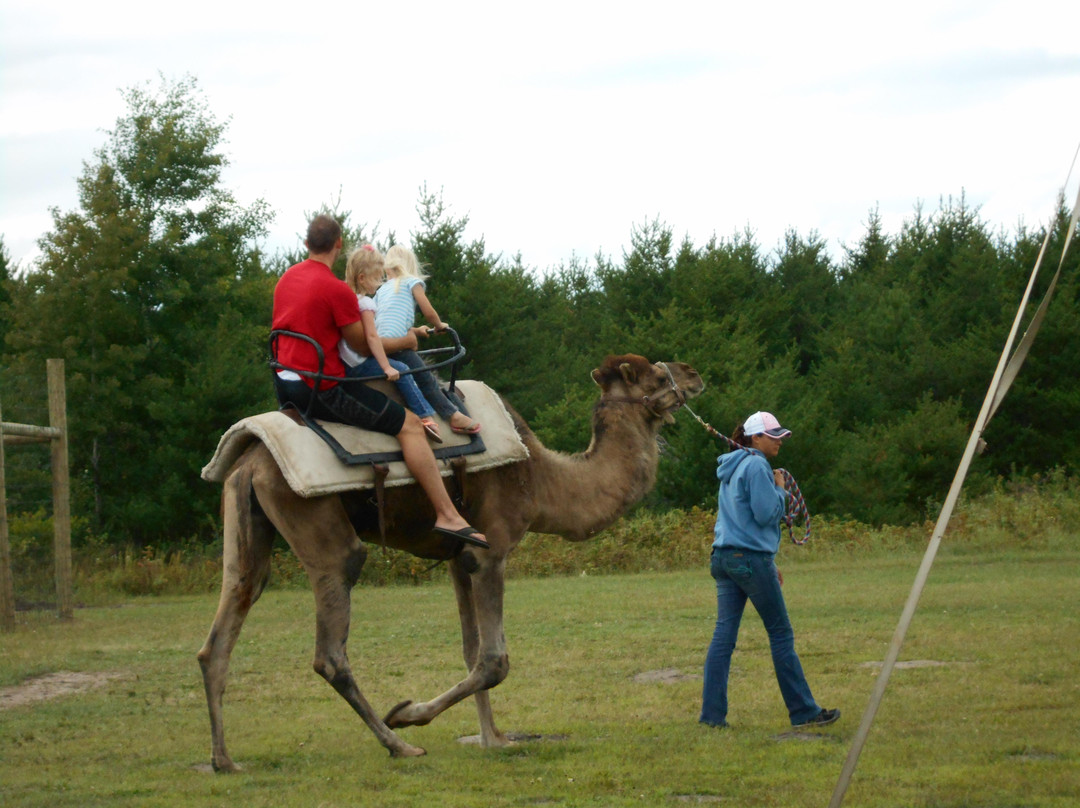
[
  {"x": 390, "y": 719},
  {"x": 407, "y": 750},
  {"x": 225, "y": 766},
  {"x": 497, "y": 741}
]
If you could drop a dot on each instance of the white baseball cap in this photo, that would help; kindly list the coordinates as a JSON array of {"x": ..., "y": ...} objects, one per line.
[{"x": 765, "y": 423}]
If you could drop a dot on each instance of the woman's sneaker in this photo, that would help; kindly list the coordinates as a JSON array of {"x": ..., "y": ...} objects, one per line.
[{"x": 823, "y": 718}]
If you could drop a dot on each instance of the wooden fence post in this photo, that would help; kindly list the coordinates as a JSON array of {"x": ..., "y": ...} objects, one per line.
[
  {"x": 56, "y": 435},
  {"x": 61, "y": 488},
  {"x": 7, "y": 587}
]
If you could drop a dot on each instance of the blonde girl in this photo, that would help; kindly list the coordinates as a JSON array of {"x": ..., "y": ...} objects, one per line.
[
  {"x": 396, "y": 302},
  {"x": 364, "y": 275}
]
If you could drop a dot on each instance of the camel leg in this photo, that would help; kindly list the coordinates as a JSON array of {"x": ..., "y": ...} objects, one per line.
[
  {"x": 332, "y": 661},
  {"x": 490, "y": 735},
  {"x": 248, "y": 538},
  {"x": 490, "y": 662},
  {"x": 320, "y": 535}
]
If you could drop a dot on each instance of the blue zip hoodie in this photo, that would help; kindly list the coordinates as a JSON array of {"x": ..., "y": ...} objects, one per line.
[{"x": 750, "y": 503}]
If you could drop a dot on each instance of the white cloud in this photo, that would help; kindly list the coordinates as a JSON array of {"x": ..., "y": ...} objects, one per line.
[{"x": 558, "y": 128}]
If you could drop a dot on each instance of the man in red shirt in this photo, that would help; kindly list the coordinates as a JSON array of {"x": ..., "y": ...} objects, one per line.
[{"x": 311, "y": 300}]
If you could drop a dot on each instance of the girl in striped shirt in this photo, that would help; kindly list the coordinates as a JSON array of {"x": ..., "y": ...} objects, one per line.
[{"x": 396, "y": 302}]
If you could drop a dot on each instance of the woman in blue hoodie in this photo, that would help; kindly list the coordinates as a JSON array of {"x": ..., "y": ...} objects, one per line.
[{"x": 752, "y": 499}]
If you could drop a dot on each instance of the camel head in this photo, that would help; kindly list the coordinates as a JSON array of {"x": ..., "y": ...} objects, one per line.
[{"x": 661, "y": 387}]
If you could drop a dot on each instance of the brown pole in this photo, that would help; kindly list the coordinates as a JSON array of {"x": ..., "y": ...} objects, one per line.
[
  {"x": 61, "y": 488},
  {"x": 29, "y": 433},
  {"x": 18, "y": 440},
  {"x": 7, "y": 586}
]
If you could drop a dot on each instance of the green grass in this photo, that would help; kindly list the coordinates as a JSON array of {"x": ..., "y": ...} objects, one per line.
[{"x": 994, "y": 725}]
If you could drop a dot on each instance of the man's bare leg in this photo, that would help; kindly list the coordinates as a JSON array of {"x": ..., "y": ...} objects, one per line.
[{"x": 421, "y": 462}]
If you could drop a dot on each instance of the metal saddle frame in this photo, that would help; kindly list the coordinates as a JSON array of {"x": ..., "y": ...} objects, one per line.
[{"x": 457, "y": 352}]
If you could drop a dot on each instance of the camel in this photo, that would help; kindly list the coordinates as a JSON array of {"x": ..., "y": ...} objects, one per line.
[{"x": 574, "y": 496}]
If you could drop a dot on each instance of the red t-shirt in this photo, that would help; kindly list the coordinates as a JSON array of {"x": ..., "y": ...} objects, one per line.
[{"x": 311, "y": 300}]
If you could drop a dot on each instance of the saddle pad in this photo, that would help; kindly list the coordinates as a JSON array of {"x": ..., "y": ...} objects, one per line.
[{"x": 311, "y": 468}]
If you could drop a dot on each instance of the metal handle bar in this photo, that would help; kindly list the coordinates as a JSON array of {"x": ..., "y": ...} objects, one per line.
[{"x": 318, "y": 376}]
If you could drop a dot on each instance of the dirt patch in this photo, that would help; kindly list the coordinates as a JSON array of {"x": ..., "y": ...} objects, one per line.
[
  {"x": 53, "y": 685},
  {"x": 1033, "y": 754},
  {"x": 666, "y": 676}
]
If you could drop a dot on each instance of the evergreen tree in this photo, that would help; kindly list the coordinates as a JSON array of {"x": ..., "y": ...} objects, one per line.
[
  {"x": 804, "y": 304},
  {"x": 6, "y": 280},
  {"x": 726, "y": 280},
  {"x": 495, "y": 309},
  {"x": 642, "y": 285},
  {"x": 352, "y": 237},
  {"x": 1036, "y": 428},
  {"x": 870, "y": 255}
]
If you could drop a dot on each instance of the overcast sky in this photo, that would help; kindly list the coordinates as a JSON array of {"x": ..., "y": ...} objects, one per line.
[{"x": 556, "y": 127}]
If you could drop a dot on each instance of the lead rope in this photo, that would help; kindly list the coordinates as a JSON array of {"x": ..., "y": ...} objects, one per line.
[{"x": 796, "y": 507}]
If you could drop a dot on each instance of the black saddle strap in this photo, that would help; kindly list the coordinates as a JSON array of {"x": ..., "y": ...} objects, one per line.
[
  {"x": 380, "y": 471},
  {"x": 461, "y": 494}
]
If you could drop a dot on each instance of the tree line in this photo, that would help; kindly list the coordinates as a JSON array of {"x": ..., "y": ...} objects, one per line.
[{"x": 155, "y": 292}]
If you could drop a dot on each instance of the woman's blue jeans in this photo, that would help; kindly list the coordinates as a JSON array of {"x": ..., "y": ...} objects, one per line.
[{"x": 742, "y": 574}]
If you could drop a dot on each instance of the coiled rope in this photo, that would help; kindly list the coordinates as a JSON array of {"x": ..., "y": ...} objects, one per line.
[{"x": 796, "y": 507}]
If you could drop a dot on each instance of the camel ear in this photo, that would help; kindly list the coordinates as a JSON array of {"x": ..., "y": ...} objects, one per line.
[{"x": 612, "y": 368}]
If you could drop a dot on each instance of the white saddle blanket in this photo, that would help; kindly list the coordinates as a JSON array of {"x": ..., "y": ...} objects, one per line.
[{"x": 312, "y": 469}]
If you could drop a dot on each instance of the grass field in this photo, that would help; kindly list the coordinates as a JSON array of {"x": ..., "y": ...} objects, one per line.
[{"x": 605, "y": 679}]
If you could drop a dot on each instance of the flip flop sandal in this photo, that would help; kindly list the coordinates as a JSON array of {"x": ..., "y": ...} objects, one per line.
[
  {"x": 432, "y": 429},
  {"x": 472, "y": 429},
  {"x": 467, "y": 534}
]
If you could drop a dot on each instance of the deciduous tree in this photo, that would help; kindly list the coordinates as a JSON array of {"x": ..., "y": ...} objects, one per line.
[{"x": 153, "y": 291}]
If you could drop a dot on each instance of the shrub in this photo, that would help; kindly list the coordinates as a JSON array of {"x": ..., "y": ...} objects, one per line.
[{"x": 1037, "y": 513}]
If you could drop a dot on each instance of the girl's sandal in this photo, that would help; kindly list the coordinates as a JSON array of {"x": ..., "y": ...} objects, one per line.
[
  {"x": 472, "y": 429},
  {"x": 432, "y": 429}
]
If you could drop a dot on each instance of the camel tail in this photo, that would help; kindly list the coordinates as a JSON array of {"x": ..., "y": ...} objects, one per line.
[{"x": 248, "y": 534}]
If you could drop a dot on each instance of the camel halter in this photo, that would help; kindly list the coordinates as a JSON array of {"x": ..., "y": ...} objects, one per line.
[
  {"x": 680, "y": 396},
  {"x": 796, "y": 505},
  {"x": 648, "y": 403}
]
